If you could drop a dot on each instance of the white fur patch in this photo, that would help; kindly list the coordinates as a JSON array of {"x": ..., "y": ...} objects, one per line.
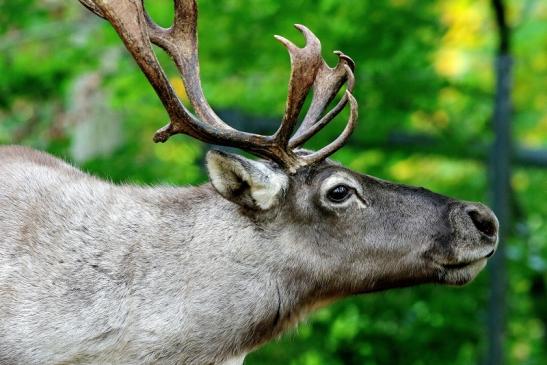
[
  {"x": 234, "y": 361},
  {"x": 266, "y": 192},
  {"x": 228, "y": 171}
]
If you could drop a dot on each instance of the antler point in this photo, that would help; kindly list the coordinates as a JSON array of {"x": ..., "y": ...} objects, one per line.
[
  {"x": 284, "y": 41},
  {"x": 311, "y": 38},
  {"x": 344, "y": 57}
]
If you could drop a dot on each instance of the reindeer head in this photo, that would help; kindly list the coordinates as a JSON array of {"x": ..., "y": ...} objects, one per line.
[{"x": 361, "y": 232}]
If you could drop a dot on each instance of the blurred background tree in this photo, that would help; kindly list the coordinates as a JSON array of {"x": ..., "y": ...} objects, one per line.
[{"x": 426, "y": 82}]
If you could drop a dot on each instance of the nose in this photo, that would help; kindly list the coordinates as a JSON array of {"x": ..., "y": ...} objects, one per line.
[{"x": 483, "y": 219}]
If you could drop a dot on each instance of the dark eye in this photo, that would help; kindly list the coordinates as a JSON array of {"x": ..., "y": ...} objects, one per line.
[{"x": 339, "y": 193}]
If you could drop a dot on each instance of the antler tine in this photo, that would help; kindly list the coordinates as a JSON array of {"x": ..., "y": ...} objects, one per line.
[
  {"x": 181, "y": 43},
  {"x": 342, "y": 138},
  {"x": 305, "y": 63},
  {"x": 92, "y": 7},
  {"x": 326, "y": 86}
]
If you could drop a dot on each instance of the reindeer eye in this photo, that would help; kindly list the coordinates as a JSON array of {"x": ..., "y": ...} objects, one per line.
[{"x": 339, "y": 193}]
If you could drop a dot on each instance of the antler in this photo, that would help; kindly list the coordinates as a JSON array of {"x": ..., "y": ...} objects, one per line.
[{"x": 308, "y": 71}]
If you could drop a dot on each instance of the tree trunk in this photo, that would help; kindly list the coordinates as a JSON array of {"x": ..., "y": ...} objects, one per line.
[{"x": 500, "y": 174}]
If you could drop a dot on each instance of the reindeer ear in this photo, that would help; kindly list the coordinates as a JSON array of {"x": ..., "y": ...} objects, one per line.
[{"x": 251, "y": 184}]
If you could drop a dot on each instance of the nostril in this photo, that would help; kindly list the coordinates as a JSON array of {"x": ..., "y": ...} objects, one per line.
[{"x": 483, "y": 221}]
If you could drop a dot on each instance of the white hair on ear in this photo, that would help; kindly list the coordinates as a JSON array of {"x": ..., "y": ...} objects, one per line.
[
  {"x": 234, "y": 361},
  {"x": 226, "y": 174},
  {"x": 266, "y": 191},
  {"x": 229, "y": 172}
]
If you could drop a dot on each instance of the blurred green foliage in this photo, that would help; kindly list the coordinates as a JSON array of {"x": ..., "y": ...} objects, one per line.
[{"x": 422, "y": 66}]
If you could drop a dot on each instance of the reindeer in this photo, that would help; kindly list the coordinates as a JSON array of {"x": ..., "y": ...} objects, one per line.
[{"x": 96, "y": 273}]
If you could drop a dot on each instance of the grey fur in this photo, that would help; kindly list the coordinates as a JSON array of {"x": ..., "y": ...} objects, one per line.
[{"x": 94, "y": 273}]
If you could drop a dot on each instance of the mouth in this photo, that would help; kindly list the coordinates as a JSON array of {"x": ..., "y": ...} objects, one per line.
[
  {"x": 460, "y": 265},
  {"x": 461, "y": 273},
  {"x": 490, "y": 253},
  {"x": 464, "y": 264}
]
